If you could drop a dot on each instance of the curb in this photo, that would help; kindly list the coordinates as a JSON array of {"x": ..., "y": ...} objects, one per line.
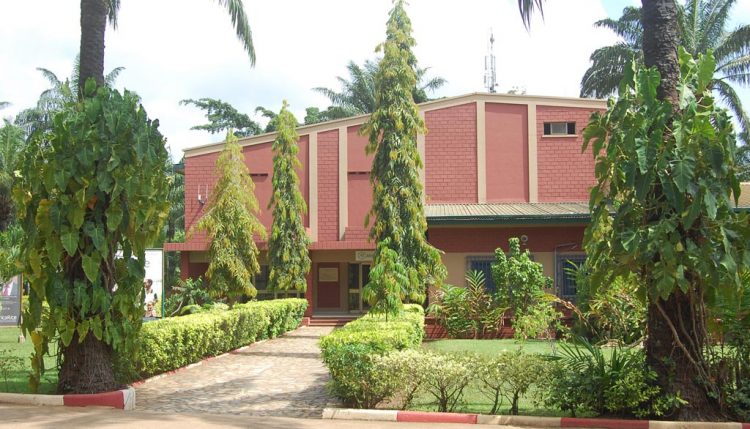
[
  {"x": 121, "y": 399},
  {"x": 538, "y": 422}
]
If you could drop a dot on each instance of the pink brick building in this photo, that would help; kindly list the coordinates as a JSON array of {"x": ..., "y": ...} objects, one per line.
[{"x": 496, "y": 166}]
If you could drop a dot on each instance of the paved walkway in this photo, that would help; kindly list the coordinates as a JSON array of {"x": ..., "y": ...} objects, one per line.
[{"x": 281, "y": 377}]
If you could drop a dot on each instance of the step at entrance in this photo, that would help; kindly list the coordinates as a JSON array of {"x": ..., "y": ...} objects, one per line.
[{"x": 332, "y": 320}]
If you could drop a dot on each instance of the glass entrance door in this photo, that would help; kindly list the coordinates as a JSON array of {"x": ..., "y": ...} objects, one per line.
[{"x": 358, "y": 277}]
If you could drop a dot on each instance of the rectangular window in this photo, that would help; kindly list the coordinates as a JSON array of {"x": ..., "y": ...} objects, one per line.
[
  {"x": 261, "y": 285},
  {"x": 559, "y": 128},
  {"x": 565, "y": 278},
  {"x": 483, "y": 264}
]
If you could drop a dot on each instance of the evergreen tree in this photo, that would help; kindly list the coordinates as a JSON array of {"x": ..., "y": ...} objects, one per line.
[
  {"x": 287, "y": 247},
  {"x": 231, "y": 223},
  {"x": 400, "y": 225}
]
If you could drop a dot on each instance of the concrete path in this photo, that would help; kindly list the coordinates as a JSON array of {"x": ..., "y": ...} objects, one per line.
[
  {"x": 281, "y": 377},
  {"x": 26, "y": 417}
]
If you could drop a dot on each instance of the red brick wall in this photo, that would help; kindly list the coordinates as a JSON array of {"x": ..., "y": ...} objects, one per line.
[
  {"x": 451, "y": 154},
  {"x": 564, "y": 173},
  {"x": 486, "y": 240},
  {"x": 199, "y": 179},
  {"x": 328, "y": 186}
]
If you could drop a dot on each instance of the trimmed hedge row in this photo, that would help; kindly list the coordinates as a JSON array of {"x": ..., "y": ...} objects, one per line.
[
  {"x": 348, "y": 353},
  {"x": 174, "y": 342}
]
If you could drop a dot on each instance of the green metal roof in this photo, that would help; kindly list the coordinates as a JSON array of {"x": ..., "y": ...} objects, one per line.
[{"x": 507, "y": 213}]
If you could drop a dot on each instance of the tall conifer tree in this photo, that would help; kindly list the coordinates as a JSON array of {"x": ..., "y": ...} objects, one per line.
[
  {"x": 287, "y": 247},
  {"x": 231, "y": 223},
  {"x": 405, "y": 263}
]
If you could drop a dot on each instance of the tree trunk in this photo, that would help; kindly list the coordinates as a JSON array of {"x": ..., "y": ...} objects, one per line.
[
  {"x": 675, "y": 350},
  {"x": 674, "y": 347},
  {"x": 660, "y": 38},
  {"x": 91, "y": 55},
  {"x": 87, "y": 367}
]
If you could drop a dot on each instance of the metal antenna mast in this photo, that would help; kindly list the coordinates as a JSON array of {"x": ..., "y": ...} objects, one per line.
[{"x": 490, "y": 72}]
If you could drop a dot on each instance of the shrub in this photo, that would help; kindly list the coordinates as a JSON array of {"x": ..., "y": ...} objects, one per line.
[
  {"x": 406, "y": 372},
  {"x": 447, "y": 377},
  {"x": 174, "y": 342},
  {"x": 585, "y": 380},
  {"x": 187, "y": 293},
  {"x": 349, "y": 354},
  {"x": 469, "y": 311},
  {"x": 509, "y": 375}
]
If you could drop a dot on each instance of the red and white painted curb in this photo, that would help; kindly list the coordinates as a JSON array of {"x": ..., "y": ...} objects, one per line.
[
  {"x": 122, "y": 399},
  {"x": 538, "y": 422}
]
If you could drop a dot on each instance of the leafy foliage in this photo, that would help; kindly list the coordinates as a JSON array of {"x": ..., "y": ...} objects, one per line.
[
  {"x": 520, "y": 284},
  {"x": 11, "y": 241},
  {"x": 399, "y": 225},
  {"x": 358, "y": 93},
  {"x": 668, "y": 178},
  {"x": 509, "y": 376},
  {"x": 586, "y": 380},
  {"x": 223, "y": 117},
  {"x": 9, "y": 363},
  {"x": 468, "y": 311},
  {"x": 702, "y": 27},
  {"x": 349, "y": 354},
  {"x": 230, "y": 222},
  {"x": 93, "y": 186},
  {"x": 288, "y": 255},
  {"x": 174, "y": 342},
  {"x": 11, "y": 147},
  {"x": 186, "y": 293}
]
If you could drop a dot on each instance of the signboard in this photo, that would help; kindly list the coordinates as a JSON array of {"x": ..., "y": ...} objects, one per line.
[
  {"x": 328, "y": 274},
  {"x": 10, "y": 301},
  {"x": 154, "y": 276},
  {"x": 364, "y": 255}
]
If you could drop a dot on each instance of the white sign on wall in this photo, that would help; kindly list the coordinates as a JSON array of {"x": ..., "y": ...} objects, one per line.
[{"x": 364, "y": 255}]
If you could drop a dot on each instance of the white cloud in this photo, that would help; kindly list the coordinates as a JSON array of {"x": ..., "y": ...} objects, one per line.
[{"x": 175, "y": 49}]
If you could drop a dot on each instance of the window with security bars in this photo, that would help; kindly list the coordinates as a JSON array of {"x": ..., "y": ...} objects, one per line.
[
  {"x": 565, "y": 276},
  {"x": 483, "y": 264},
  {"x": 261, "y": 285}
]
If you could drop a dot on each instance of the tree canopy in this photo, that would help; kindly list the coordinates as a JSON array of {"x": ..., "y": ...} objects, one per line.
[{"x": 404, "y": 263}]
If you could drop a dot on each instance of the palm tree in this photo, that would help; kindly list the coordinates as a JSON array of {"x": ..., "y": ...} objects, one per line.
[
  {"x": 11, "y": 146},
  {"x": 96, "y": 13},
  {"x": 39, "y": 118},
  {"x": 357, "y": 94},
  {"x": 702, "y": 26}
]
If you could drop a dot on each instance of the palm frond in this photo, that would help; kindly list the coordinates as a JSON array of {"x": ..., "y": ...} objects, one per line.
[
  {"x": 113, "y": 9},
  {"x": 628, "y": 26},
  {"x": 735, "y": 44},
  {"x": 111, "y": 77},
  {"x": 732, "y": 100},
  {"x": 50, "y": 76},
  {"x": 607, "y": 67},
  {"x": 527, "y": 7},
  {"x": 737, "y": 70},
  {"x": 712, "y": 24},
  {"x": 241, "y": 25}
]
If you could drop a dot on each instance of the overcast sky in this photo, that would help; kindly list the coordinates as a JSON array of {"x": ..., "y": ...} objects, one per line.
[{"x": 176, "y": 49}]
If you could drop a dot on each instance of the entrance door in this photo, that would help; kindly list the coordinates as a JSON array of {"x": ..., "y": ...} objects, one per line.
[
  {"x": 358, "y": 277},
  {"x": 329, "y": 292}
]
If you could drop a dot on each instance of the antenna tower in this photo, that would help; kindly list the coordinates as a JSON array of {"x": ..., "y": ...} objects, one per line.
[{"x": 490, "y": 72}]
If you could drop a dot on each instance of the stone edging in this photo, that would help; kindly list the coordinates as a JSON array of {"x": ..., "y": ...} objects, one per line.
[
  {"x": 538, "y": 422},
  {"x": 122, "y": 399}
]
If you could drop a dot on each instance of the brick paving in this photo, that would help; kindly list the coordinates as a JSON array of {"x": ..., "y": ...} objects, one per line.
[{"x": 281, "y": 377}]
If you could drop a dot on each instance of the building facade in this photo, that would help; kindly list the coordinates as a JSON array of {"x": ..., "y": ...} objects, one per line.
[{"x": 496, "y": 167}]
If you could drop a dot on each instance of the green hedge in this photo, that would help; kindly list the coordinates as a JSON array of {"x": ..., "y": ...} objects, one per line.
[
  {"x": 348, "y": 353},
  {"x": 174, "y": 342}
]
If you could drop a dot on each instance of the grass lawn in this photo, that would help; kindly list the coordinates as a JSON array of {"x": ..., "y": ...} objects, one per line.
[
  {"x": 18, "y": 381},
  {"x": 489, "y": 347}
]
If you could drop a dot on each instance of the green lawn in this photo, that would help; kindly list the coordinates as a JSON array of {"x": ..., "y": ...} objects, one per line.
[
  {"x": 18, "y": 381},
  {"x": 489, "y": 347}
]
